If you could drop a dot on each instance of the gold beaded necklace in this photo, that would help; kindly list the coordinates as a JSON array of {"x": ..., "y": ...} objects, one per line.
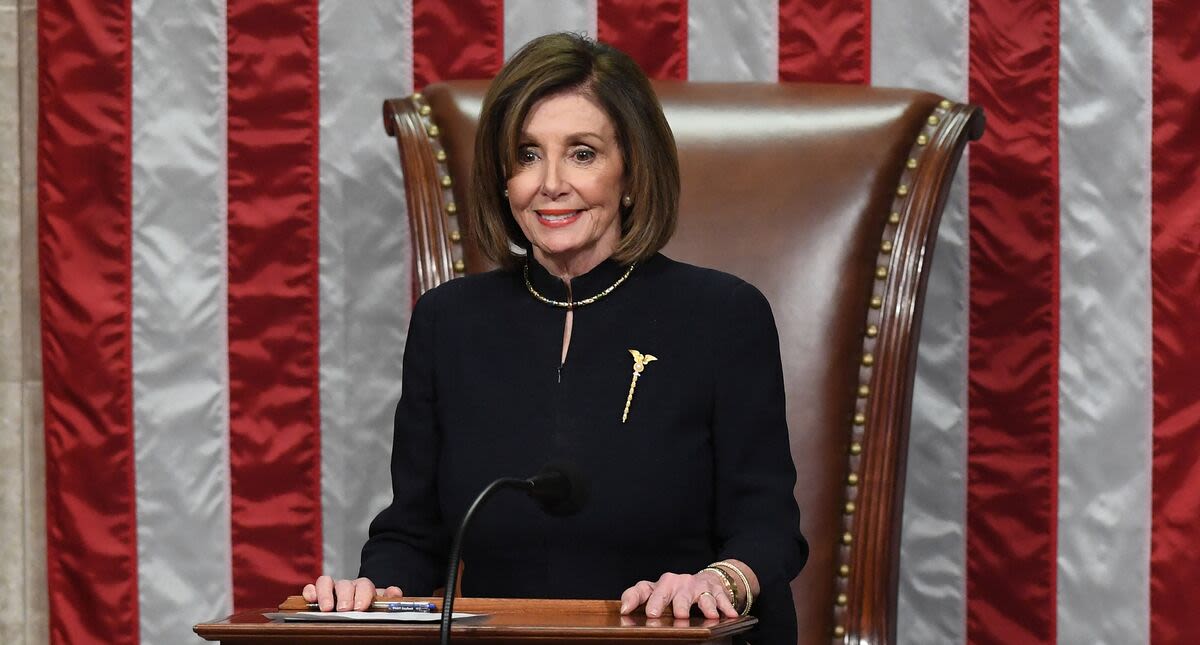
[{"x": 578, "y": 303}]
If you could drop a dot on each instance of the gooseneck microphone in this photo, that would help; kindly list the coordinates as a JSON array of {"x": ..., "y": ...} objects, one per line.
[{"x": 558, "y": 489}]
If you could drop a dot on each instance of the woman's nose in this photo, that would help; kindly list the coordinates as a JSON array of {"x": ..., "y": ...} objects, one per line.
[{"x": 553, "y": 182}]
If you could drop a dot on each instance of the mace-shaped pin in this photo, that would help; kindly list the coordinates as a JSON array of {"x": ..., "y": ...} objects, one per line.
[{"x": 640, "y": 361}]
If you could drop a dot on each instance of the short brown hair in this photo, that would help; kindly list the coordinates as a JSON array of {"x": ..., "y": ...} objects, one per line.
[{"x": 566, "y": 62}]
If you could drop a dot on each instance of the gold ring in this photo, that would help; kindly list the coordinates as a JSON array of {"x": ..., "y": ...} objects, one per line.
[{"x": 707, "y": 593}]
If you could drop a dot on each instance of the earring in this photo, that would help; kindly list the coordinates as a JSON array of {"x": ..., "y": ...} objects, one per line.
[
  {"x": 506, "y": 192},
  {"x": 627, "y": 201}
]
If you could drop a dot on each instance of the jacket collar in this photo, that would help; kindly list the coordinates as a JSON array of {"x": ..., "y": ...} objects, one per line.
[{"x": 601, "y": 277}]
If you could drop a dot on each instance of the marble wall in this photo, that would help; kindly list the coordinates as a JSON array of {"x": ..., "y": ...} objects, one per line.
[{"x": 23, "y": 617}]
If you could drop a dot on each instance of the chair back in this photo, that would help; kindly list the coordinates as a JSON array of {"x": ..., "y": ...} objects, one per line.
[{"x": 825, "y": 197}]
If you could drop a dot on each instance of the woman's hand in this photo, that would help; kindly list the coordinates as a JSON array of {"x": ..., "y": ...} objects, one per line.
[
  {"x": 680, "y": 591},
  {"x": 349, "y": 595}
]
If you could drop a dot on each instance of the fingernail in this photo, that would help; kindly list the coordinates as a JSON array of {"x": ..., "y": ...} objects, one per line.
[
  {"x": 651, "y": 613},
  {"x": 624, "y": 608}
]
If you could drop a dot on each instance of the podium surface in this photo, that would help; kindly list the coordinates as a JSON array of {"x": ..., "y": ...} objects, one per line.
[{"x": 507, "y": 621}]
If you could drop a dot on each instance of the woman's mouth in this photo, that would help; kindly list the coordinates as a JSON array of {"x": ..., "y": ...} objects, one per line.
[{"x": 556, "y": 217}]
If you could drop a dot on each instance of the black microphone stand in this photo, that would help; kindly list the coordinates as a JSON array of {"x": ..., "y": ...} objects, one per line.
[{"x": 456, "y": 548}]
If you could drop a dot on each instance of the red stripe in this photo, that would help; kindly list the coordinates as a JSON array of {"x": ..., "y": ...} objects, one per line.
[
  {"x": 274, "y": 438},
  {"x": 1175, "y": 271},
  {"x": 1012, "y": 375},
  {"x": 653, "y": 32},
  {"x": 456, "y": 40},
  {"x": 83, "y": 249},
  {"x": 825, "y": 42}
]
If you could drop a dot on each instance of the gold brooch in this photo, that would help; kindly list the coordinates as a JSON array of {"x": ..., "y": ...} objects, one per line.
[{"x": 639, "y": 365}]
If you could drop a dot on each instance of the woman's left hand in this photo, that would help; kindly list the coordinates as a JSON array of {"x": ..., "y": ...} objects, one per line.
[{"x": 679, "y": 591}]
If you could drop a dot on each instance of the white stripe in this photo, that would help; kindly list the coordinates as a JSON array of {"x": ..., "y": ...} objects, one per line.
[
  {"x": 1105, "y": 392},
  {"x": 15, "y": 478},
  {"x": 180, "y": 370},
  {"x": 733, "y": 40},
  {"x": 923, "y": 44},
  {"x": 364, "y": 266},
  {"x": 525, "y": 20}
]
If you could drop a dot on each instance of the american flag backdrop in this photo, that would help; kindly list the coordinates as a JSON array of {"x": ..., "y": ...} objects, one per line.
[{"x": 224, "y": 292}]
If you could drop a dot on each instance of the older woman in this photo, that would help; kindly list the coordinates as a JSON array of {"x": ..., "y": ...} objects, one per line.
[{"x": 661, "y": 380}]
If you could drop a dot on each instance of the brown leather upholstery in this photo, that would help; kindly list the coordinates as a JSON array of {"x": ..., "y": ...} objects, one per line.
[{"x": 825, "y": 197}]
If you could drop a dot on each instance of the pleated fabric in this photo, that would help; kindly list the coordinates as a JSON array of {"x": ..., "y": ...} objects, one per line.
[
  {"x": 653, "y": 32},
  {"x": 733, "y": 40},
  {"x": 179, "y": 314},
  {"x": 84, "y": 283},
  {"x": 825, "y": 42},
  {"x": 1013, "y": 325},
  {"x": 363, "y": 266},
  {"x": 1104, "y": 336},
  {"x": 224, "y": 283},
  {"x": 1175, "y": 278}
]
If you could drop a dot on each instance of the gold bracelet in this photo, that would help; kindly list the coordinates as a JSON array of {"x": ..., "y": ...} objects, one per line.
[
  {"x": 723, "y": 564},
  {"x": 725, "y": 580}
]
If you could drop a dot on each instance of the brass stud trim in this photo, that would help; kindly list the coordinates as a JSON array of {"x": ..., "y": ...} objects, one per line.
[
  {"x": 945, "y": 104},
  {"x": 447, "y": 181},
  {"x": 426, "y": 110},
  {"x": 460, "y": 266},
  {"x": 433, "y": 131},
  {"x": 452, "y": 208},
  {"x": 867, "y": 359},
  {"x": 417, "y": 96},
  {"x": 455, "y": 237},
  {"x": 441, "y": 156}
]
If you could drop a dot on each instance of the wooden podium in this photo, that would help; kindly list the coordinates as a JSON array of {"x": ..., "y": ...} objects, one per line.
[{"x": 507, "y": 621}]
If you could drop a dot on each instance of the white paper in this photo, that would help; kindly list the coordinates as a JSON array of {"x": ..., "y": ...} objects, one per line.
[{"x": 365, "y": 616}]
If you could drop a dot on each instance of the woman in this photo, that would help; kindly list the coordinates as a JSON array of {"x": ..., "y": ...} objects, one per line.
[{"x": 660, "y": 380}]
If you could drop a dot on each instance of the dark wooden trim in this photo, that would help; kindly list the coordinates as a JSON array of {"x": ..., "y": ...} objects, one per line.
[
  {"x": 509, "y": 621},
  {"x": 416, "y": 140},
  {"x": 869, "y": 615}
]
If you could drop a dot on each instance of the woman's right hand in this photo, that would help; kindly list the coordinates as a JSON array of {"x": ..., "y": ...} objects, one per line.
[{"x": 346, "y": 595}]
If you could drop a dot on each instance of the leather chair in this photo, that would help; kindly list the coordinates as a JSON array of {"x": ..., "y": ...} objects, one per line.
[{"x": 825, "y": 197}]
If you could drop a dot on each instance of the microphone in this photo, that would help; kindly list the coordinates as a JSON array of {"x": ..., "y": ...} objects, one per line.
[{"x": 559, "y": 489}]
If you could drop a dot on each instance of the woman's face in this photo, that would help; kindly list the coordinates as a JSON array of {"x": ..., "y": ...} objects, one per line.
[{"x": 566, "y": 188}]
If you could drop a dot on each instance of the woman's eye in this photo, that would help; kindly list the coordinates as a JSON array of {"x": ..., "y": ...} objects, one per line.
[
  {"x": 584, "y": 155},
  {"x": 526, "y": 156}
]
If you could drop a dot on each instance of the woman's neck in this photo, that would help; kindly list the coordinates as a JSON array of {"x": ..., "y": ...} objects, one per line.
[{"x": 568, "y": 267}]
